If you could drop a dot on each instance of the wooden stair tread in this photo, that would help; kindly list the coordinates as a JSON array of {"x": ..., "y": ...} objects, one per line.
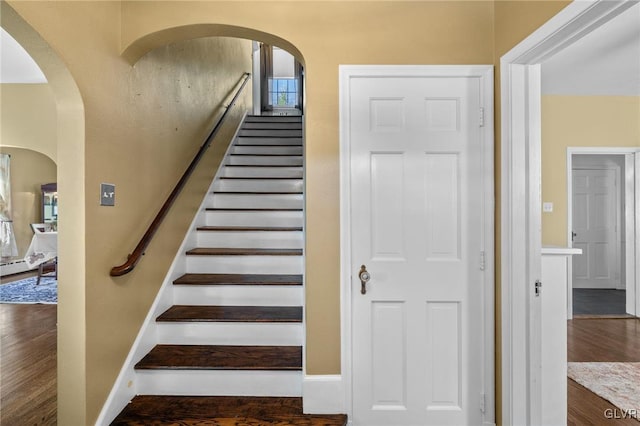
[
  {"x": 262, "y": 314},
  {"x": 226, "y": 251},
  {"x": 251, "y": 228},
  {"x": 252, "y": 209},
  {"x": 259, "y": 192},
  {"x": 244, "y": 134},
  {"x": 294, "y": 192},
  {"x": 262, "y": 165},
  {"x": 222, "y": 411},
  {"x": 265, "y": 155},
  {"x": 270, "y": 117},
  {"x": 261, "y": 177},
  {"x": 269, "y": 145},
  {"x": 238, "y": 279},
  {"x": 214, "y": 357}
]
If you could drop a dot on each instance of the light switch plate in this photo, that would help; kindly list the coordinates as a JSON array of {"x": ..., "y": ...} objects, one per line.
[
  {"x": 107, "y": 194},
  {"x": 547, "y": 207}
]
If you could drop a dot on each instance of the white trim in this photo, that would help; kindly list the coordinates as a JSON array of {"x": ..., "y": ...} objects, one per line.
[
  {"x": 519, "y": 255},
  {"x": 628, "y": 214},
  {"x": 256, "y": 78},
  {"x": 485, "y": 75},
  {"x": 126, "y": 386},
  {"x": 323, "y": 394},
  {"x": 13, "y": 267},
  {"x": 637, "y": 229}
]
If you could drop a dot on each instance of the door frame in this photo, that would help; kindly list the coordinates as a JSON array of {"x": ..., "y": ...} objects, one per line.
[
  {"x": 520, "y": 198},
  {"x": 484, "y": 73},
  {"x": 629, "y": 214}
]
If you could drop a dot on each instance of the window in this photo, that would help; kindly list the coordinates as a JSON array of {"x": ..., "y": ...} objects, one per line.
[{"x": 283, "y": 92}]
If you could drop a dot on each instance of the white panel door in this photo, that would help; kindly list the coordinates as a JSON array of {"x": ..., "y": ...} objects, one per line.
[
  {"x": 595, "y": 228},
  {"x": 416, "y": 215}
]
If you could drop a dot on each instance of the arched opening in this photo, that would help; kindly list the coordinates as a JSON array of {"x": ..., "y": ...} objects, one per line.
[
  {"x": 70, "y": 177},
  {"x": 143, "y": 54},
  {"x": 282, "y": 91}
]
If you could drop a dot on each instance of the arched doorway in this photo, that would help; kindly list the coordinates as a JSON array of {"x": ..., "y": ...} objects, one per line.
[
  {"x": 145, "y": 57},
  {"x": 70, "y": 177}
]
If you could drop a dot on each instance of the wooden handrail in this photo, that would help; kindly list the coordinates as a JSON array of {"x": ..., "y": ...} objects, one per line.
[{"x": 138, "y": 252}]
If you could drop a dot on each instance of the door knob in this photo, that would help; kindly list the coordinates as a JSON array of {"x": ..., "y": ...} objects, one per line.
[{"x": 364, "y": 279}]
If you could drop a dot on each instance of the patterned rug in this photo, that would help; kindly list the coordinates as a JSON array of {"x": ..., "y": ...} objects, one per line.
[
  {"x": 26, "y": 291},
  {"x": 617, "y": 382}
]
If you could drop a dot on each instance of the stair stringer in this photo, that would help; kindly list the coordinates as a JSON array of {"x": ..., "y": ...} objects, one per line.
[{"x": 125, "y": 387}]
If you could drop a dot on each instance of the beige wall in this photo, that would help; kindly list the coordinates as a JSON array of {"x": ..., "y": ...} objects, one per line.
[
  {"x": 352, "y": 33},
  {"x": 143, "y": 124},
  {"x": 29, "y": 170},
  {"x": 28, "y": 118},
  {"x": 132, "y": 113},
  {"x": 579, "y": 121}
]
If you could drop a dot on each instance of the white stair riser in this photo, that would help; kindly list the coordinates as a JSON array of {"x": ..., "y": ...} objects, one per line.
[
  {"x": 244, "y": 264},
  {"x": 253, "y": 133},
  {"x": 257, "y": 218},
  {"x": 219, "y": 383},
  {"x": 292, "y": 172},
  {"x": 220, "y": 333},
  {"x": 239, "y": 295},
  {"x": 273, "y": 125},
  {"x": 257, "y": 201},
  {"x": 265, "y": 160},
  {"x": 267, "y": 150},
  {"x": 268, "y": 141},
  {"x": 257, "y": 185},
  {"x": 250, "y": 239}
]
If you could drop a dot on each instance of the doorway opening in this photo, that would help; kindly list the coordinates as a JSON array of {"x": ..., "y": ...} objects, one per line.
[
  {"x": 601, "y": 222},
  {"x": 279, "y": 88},
  {"x": 521, "y": 203}
]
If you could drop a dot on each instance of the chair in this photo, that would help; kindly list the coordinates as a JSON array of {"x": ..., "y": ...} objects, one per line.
[{"x": 41, "y": 228}]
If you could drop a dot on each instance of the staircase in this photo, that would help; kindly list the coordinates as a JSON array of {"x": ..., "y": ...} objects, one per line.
[{"x": 229, "y": 350}]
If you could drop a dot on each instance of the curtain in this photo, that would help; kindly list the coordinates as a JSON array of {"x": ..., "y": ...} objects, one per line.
[
  {"x": 8, "y": 247},
  {"x": 299, "y": 74},
  {"x": 266, "y": 74}
]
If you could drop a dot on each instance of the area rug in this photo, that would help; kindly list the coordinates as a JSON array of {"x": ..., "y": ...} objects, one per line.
[
  {"x": 26, "y": 291},
  {"x": 617, "y": 382}
]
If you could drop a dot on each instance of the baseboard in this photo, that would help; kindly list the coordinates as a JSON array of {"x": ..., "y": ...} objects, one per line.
[
  {"x": 323, "y": 394},
  {"x": 15, "y": 267}
]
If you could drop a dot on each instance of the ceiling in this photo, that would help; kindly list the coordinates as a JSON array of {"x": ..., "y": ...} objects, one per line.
[
  {"x": 16, "y": 66},
  {"x": 604, "y": 62}
]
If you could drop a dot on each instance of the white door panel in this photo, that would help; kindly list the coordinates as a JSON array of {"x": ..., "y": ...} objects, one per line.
[
  {"x": 595, "y": 228},
  {"x": 416, "y": 197}
]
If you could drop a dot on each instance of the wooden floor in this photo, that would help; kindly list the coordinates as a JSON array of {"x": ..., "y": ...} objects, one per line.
[
  {"x": 28, "y": 394},
  {"x": 28, "y": 364},
  {"x": 604, "y": 340}
]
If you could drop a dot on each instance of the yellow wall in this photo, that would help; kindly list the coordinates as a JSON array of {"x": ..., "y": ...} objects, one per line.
[
  {"x": 351, "y": 33},
  {"x": 143, "y": 125},
  {"x": 579, "y": 121},
  {"x": 28, "y": 118},
  {"x": 29, "y": 170},
  {"x": 132, "y": 113}
]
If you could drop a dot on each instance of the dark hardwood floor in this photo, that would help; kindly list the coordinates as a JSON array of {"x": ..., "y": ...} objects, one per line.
[
  {"x": 593, "y": 340},
  {"x": 598, "y": 301},
  {"x": 28, "y": 364},
  {"x": 28, "y": 345}
]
